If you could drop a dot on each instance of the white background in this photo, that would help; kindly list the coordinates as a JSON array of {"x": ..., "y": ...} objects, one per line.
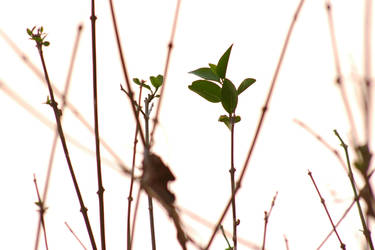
[{"x": 189, "y": 138}]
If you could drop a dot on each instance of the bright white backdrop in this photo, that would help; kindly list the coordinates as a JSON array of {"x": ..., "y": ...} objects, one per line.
[{"x": 189, "y": 138}]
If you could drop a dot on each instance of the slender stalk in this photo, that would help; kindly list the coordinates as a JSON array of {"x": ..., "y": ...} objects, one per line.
[
  {"x": 147, "y": 148},
  {"x": 42, "y": 210},
  {"x": 266, "y": 218},
  {"x": 125, "y": 72},
  {"x": 96, "y": 126},
  {"x": 286, "y": 242},
  {"x": 342, "y": 245},
  {"x": 57, "y": 114},
  {"x": 232, "y": 181},
  {"x": 166, "y": 67},
  {"x": 367, "y": 70},
  {"x": 260, "y": 121},
  {"x": 130, "y": 197},
  {"x": 322, "y": 141},
  {"x": 42, "y": 118},
  {"x": 75, "y": 235},
  {"x": 345, "y": 213},
  {"x": 225, "y": 237},
  {"x": 339, "y": 78},
  {"x": 336, "y": 225},
  {"x": 135, "y": 215},
  {"x": 56, "y": 134},
  {"x": 209, "y": 225},
  {"x": 366, "y": 231},
  {"x": 69, "y": 105}
]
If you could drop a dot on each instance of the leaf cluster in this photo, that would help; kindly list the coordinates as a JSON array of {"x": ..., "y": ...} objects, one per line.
[
  {"x": 215, "y": 87},
  {"x": 156, "y": 83},
  {"x": 38, "y": 37}
]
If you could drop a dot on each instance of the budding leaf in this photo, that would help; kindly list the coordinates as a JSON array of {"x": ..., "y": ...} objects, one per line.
[{"x": 225, "y": 119}]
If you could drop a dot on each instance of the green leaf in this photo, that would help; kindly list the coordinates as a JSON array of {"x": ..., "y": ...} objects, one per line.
[
  {"x": 46, "y": 43},
  {"x": 29, "y": 32},
  {"x": 141, "y": 83},
  {"x": 206, "y": 73},
  {"x": 208, "y": 90},
  {"x": 229, "y": 96},
  {"x": 156, "y": 81},
  {"x": 245, "y": 84},
  {"x": 222, "y": 65}
]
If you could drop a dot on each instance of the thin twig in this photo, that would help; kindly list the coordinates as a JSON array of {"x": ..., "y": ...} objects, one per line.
[
  {"x": 366, "y": 231},
  {"x": 42, "y": 210},
  {"x": 146, "y": 154},
  {"x": 56, "y": 134},
  {"x": 135, "y": 215},
  {"x": 342, "y": 245},
  {"x": 13, "y": 95},
  {"x": 225, "y": 237},
  {"x": 339, "y": 78},
  {"x": 96, "y": 126},
  {"x": 166, "y": 67},
  {"x": 210, "y": 225},
  {"x": 367, "y": 69},
  {"x": 260, "y": 121},
  {"x": 286, "y": 242},
  {"x": 75, "y": 235},
  {"x": 57, "y": 114},
  {"x": 321, "y": 140},
  {"x": 232, "y": 171},
  {"x": 266, "y": 218},
  {"x": 69, "y": 105},
  {"x": 345, "y": 213},
  {"x": 337, "y": 224},
  {"x": 130, "y": 197},
  {"x": 125, "y": 72}
]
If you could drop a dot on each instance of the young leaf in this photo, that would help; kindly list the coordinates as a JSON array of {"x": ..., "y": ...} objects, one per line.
[
  {"x": 156, "y": 81},
  {"x": 225, "y": 120},
  {"x": 138, "y": 82},
  {"x": 222, "y": 65},
  {"x": 237, "y": 118},
  {"x": 229, "y": 96},
  {"x": 208, "y": 90},
  {"x": 206, "y": 73},
  {"x": 213, "y": 68},
  {"x": 245, "y": 84}
]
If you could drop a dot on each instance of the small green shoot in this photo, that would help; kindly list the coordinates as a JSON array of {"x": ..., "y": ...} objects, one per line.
[
  {"x": 216, "y": 87},
  {"x": 39, "y": 37},
  {"x": 226, "y": 239}
]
